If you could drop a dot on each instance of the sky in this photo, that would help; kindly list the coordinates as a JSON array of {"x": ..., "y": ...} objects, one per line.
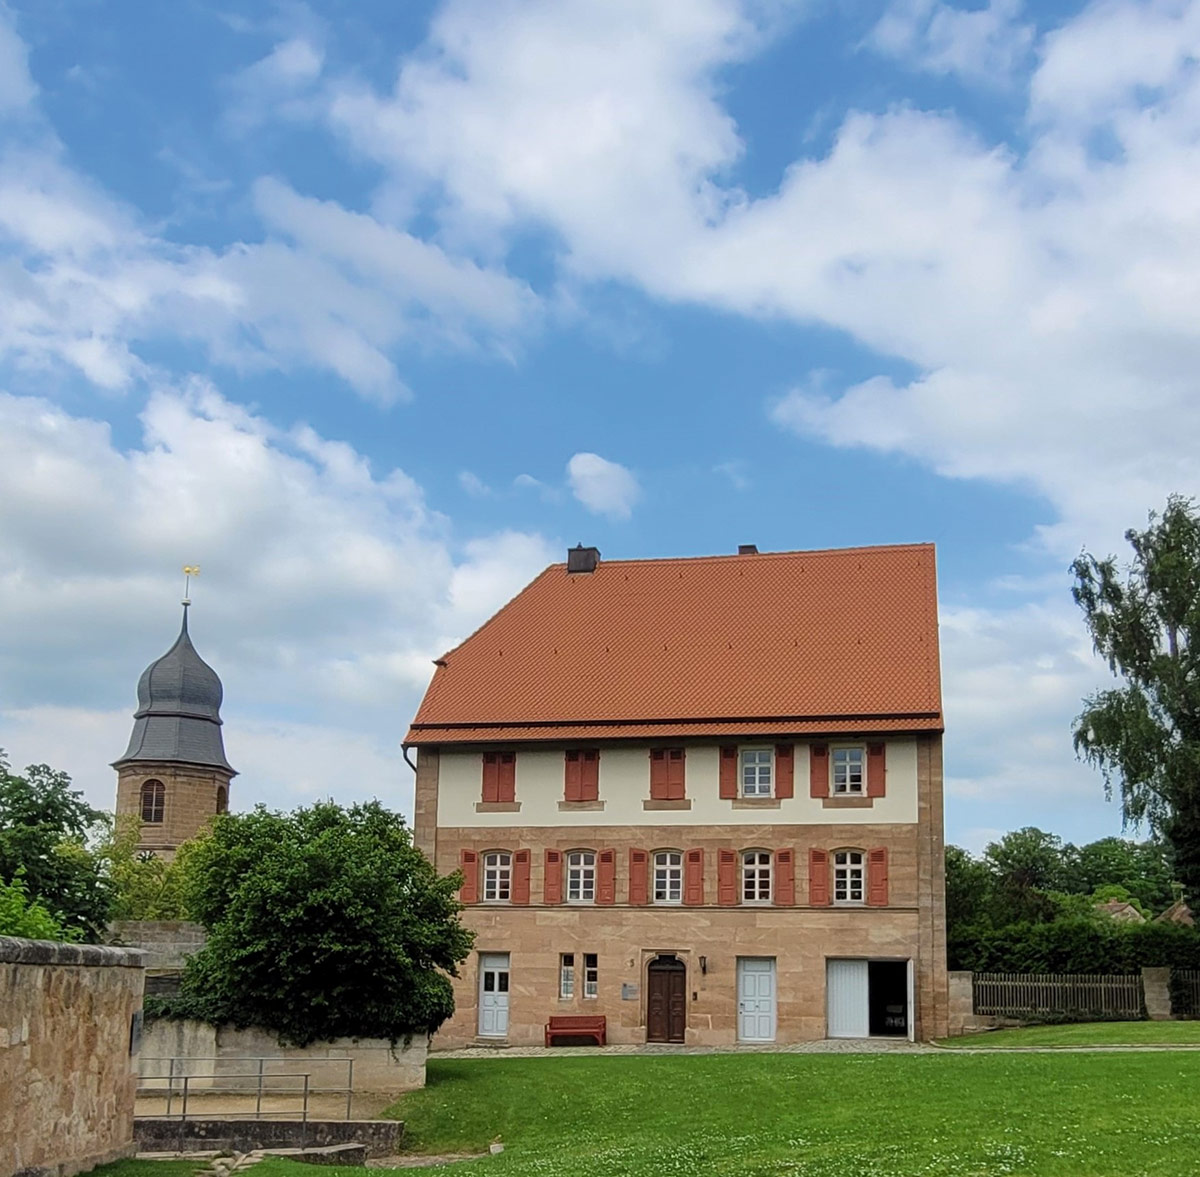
[{"x": 371, "y": 309}]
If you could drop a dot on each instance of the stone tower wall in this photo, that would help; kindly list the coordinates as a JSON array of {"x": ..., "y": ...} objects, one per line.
[{"x": 190, "y": 801}]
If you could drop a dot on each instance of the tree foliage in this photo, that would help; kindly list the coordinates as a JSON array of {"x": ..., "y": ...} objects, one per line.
[
  {"x": 22, "y": 916},
  {"x": 143, "y": 885},
  {"x": 45, "y": 828},
  {"x": 1144, "y": 735},
  {"x": 322, "y": 923}
]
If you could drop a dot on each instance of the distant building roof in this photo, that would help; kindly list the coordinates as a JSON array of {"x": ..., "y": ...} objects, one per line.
[
  {"x": 1177, "y": 913},
  {"x": 1119, "y": 909},
  {"x": 179, "y": 710},
  {"x": 787, "y": 642}
]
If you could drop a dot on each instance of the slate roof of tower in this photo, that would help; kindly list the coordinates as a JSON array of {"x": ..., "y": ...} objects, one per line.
[
  {"x": 785, "y": 642},
  {"x": 179, "y": 709}
]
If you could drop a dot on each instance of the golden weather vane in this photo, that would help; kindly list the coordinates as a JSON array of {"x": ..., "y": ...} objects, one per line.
[{"x": 189, "y": 570}]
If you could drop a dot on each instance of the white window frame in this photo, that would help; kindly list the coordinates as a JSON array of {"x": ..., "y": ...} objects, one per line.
[
  {"x": 497, "y": 876},
  {"x": 581, "y": 876},
  {"x": 566, "y": 976},
  {"x": 769, "y": 764},
  {"x": 668, "y": 870},
  {"x": 851, "y": 868},
  {"x": 847, "y": 789},
  {"x": 755, "y": 865},
  {"x": 591, "y": 975}
]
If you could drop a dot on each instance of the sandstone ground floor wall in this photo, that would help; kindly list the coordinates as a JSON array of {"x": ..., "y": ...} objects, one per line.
[
  {"x": 66, "y": 1071},
  {"x": 626, "y": 940}
]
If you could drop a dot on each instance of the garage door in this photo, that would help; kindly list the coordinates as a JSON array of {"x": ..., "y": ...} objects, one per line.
[{"x": 848, "y": 1002}]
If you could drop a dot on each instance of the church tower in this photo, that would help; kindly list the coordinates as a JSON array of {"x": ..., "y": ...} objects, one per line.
[{"x": 174, "y": 775}]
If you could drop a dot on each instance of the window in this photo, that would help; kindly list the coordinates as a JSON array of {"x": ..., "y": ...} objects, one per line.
[
  {"x": 154, "y": 796},
  {"x": 497, "y": 877},
  {"x": 756, "y": 772},
  {"x": 756, "y": 876},
  {"x": 591, "y": 975},
  {"x": 222, "y": 799},
  {"x": 499, "y": 777},
  {"x": 667, "y": 774},
  {"x": 848, "y": 876},
  {"x": 581, "y": 876},
  {"x": 582, "y": 775},
  {"x": 848, "y": 770},
  {"x": 566, "y": 975},
  {"x": 668, "y": 877}
]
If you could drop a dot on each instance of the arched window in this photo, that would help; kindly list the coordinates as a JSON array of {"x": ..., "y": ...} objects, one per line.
[
  {"x": 497, "y": 876},
  {"x": 848, "y": 876},
  {"x": 222, "y": 799},
  {"x": 154, "y": 796},
  {"x": 668, "y": 876},
  {"x": 581, "y": 876},
  {"x": 756, "y": 876}
]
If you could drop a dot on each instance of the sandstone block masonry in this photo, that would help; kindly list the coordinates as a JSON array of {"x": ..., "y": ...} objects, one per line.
[{"x": 67, "y": 1078}]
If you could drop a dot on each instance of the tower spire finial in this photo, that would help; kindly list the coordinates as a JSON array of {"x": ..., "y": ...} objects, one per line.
[{"x": 189, "y": 570}]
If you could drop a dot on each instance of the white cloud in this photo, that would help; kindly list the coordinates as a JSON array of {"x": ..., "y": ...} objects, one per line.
[
  {"x": 326, "y": 587},
  {"x": 17, "y": 90},
  {"x": 279, "y": 85},
  {"x": 981, "y": 44},
  {"x": 474, "y": 485},
  {"x": 603, "y": 487}
]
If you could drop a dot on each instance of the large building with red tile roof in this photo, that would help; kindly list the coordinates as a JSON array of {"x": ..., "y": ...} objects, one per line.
[{"x": 699, "y": 799}]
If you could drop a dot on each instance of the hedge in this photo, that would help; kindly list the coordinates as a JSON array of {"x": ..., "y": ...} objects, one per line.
[{"x": 1074, "y": 946}]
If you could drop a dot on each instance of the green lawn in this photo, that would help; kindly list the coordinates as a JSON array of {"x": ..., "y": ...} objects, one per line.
[
  {"x": 935, "y": 1115},
  {"x": 1084, "y": 1034}
]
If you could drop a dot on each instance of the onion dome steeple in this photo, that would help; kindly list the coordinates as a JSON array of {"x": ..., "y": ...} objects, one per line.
[{"x": 179, "y": 710}]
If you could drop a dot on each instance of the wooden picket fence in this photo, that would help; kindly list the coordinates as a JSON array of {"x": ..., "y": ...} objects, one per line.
[{"x": 1024, "y": 995}]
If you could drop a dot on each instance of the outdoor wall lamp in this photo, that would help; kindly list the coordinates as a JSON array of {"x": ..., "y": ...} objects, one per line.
[{"x": 704, "y": 965}]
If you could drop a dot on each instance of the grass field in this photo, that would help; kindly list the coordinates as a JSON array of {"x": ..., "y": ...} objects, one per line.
[
  {"x": 937, "y": 1115},
  {"x": 1085, "y": 1034}
]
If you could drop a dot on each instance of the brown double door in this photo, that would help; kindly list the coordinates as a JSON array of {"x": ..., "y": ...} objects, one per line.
[{"x": 666, "y": 1000}]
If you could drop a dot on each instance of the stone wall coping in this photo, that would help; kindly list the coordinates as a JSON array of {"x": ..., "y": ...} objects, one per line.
[
  {"x": 151, "y": 926},
  {"x": 16, "y": 950}
]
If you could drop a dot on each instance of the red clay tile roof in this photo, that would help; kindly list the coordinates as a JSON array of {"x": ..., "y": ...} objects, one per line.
[{"x": 777, "y": 642}]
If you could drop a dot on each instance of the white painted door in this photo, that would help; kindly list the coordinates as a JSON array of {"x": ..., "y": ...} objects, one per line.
[
  {"x": 756, "y": 999},
  {"x": 847, "y": 993},
  {"x": 493, "y": 995}
]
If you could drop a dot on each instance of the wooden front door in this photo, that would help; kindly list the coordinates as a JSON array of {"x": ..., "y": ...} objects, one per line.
[{"x": 666, "y": 1000}]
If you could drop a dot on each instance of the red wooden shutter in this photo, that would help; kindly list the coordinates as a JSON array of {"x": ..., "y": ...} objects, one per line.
[
  {"x": 469, "y": 864},
  {"x": 552, "y": 885},
  {"x": 693, "y": 877},
  {"x": 818, "y": 770},
  {"x": 639, "y": 865},
  {"x": 606, "y": 877},
  {"x": 507, "y": 786},
  {"x": 818, "y": 878},
  {"x": 589, "y": 775},
  {"x": 876, "y": 770},
  {"x": 784, "y": 770},
  {"x": 520, "y": 877},
  {"x": 785, "y": 878},
  {"x": 729, "y": 767},
  {"x": 572, "y": 776},
  {"x": 675, "y": 774},
  {"x": 727, "y": 885},
  {"x": 491, "y": 776},
  {"x": 877, "y": 877},
  {"x": 658, "y": 774}
]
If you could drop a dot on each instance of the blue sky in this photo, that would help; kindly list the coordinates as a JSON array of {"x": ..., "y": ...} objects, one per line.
[{"x": 370, "y": 310}]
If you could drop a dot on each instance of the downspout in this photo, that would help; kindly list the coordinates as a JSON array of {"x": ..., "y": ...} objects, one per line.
[{"x": 404, "y": 749}]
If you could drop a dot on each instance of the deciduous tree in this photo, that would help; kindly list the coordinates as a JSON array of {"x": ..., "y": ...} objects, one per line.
[{"x": 1144, "y": 735}]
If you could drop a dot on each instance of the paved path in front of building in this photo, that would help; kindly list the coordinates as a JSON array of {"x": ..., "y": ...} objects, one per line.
[{"x": 824, "y": 1046}]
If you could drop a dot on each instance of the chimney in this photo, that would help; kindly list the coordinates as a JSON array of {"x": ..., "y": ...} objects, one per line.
[
  {"x": 747, "y": 549},
  {"x": 581, "y": 559}
]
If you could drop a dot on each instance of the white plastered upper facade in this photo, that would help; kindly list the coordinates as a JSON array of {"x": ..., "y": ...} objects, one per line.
[{"x": 625, "y": 785}]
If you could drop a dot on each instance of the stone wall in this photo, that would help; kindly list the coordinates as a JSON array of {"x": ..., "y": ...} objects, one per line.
[
  {"x": 167, "y": 943},
  {"x": 224, "y": 1058},
  {"x": 66, "y": 1076}
]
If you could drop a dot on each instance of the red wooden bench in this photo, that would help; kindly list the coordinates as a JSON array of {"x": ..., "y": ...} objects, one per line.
[{"x": 578, "y": 1026}]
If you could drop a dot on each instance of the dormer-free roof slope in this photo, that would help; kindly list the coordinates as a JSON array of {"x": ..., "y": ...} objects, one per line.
[{"x": 777, "y": 642}]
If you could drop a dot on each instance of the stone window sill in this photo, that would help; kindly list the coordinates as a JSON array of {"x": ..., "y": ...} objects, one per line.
[
  {"x": 591, "y": 806},
  {"x": 497, "y": 806},
  {"x": 683, "y": 803},
  {"x": 756, "y": 803},
  {"x": 847, "y": 802}
]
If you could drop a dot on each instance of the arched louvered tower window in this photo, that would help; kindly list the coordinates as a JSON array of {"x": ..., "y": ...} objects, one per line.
[{"x": 154, "y": 800}]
